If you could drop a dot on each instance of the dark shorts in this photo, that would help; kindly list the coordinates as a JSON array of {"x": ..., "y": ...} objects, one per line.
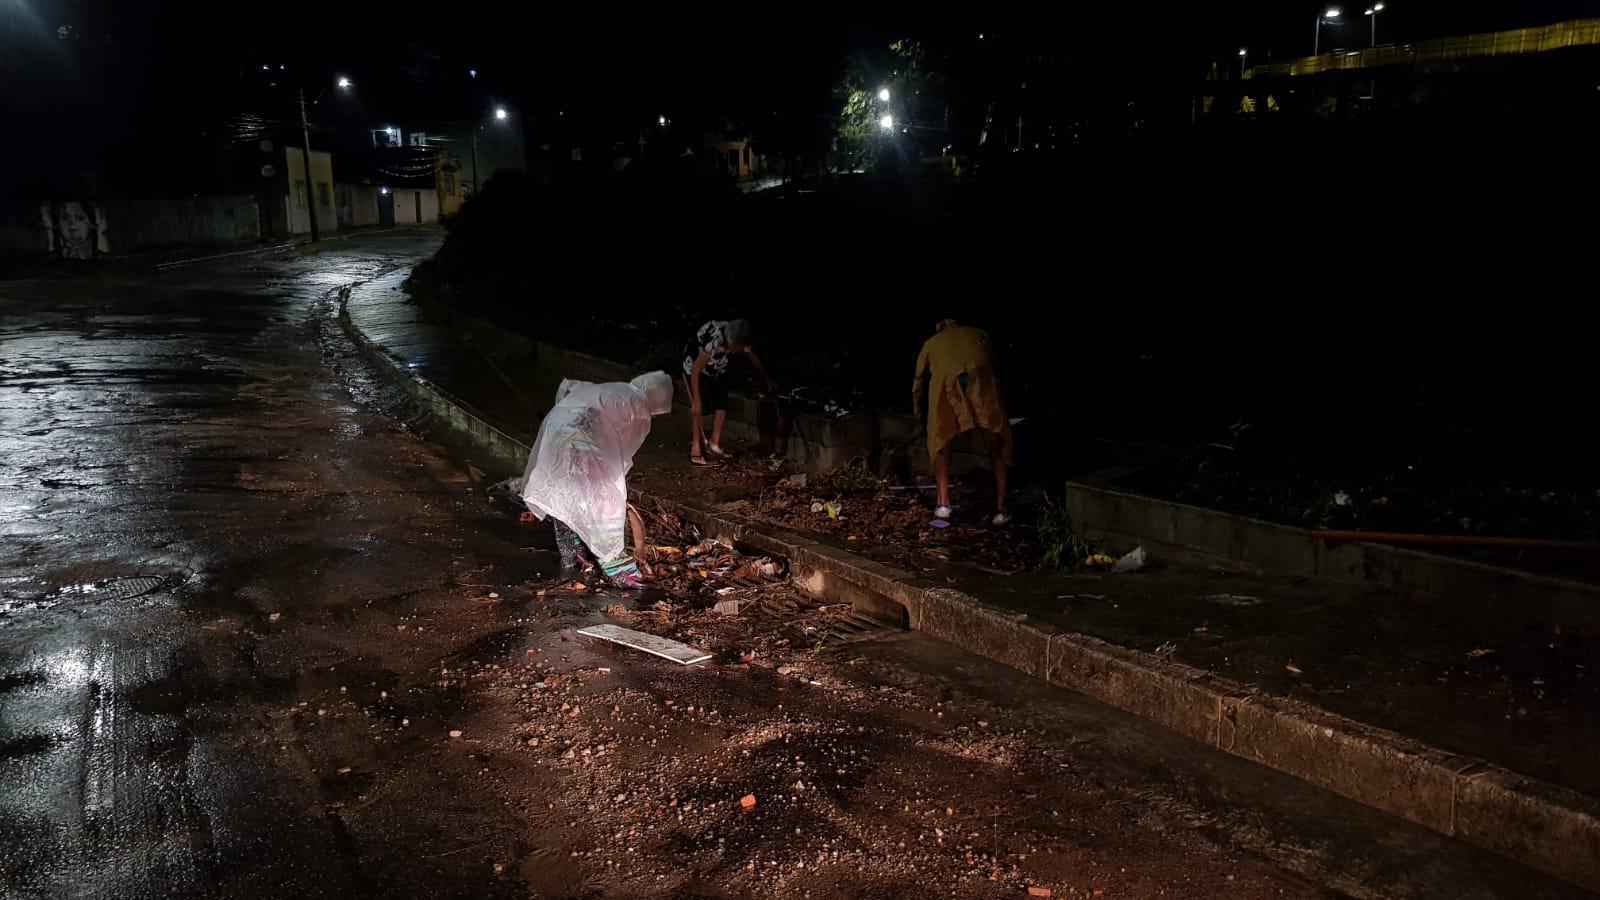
[{"x": 713, "y": 392}]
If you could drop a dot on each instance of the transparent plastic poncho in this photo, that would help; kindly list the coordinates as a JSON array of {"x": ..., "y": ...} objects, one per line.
[{"x": 578, "y": 468}]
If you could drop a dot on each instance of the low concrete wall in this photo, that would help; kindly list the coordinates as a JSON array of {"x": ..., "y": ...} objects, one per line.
[
  {"x": 155, "y": 222},
  {"x": 817, "y": 443},
  {"x": 1179, "y": 530},
  {"x": 1539, "y": 824}
]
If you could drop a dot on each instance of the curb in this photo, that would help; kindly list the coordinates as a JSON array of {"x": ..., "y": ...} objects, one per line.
[
  {"x": 285, "y": 245},
  {"x": 253, "y": 251},
  {"x": 1542, "y": 825}
]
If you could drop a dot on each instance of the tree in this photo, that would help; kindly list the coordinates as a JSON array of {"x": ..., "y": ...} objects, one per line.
[{"x": 855, "y": 138}]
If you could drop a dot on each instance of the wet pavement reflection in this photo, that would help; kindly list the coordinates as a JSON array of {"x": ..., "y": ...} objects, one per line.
[{"x": 196, "y": 478}]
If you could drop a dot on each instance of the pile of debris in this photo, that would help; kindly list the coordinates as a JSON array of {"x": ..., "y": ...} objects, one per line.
[
  {"x": 890, "y": 523},
  {"x": 743, "y": 608},
  {"x": 705, "y": 572}
]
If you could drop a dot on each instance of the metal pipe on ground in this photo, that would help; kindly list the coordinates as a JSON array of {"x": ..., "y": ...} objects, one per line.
[{"x": 1450, "y": 540}]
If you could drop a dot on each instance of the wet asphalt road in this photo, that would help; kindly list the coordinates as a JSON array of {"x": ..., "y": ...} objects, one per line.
[{"x": 197, "y": 484}]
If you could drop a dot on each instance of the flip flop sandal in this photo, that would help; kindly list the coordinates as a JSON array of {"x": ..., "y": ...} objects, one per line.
[{"x": 700, "y": 462}]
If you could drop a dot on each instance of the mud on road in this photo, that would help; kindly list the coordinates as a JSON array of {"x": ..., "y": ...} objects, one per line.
[{"x": 260, "y": 638}]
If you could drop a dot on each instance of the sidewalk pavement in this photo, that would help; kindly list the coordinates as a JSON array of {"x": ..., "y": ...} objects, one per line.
[
  {"x": 1457, "y": 692},
  {"x": 164, "y": 259}
]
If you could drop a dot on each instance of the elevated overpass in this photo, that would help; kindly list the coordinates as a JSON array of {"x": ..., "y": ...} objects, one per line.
[
  {"x": 1544, "y": 75},
  {"x": 1447, "y": 51}
]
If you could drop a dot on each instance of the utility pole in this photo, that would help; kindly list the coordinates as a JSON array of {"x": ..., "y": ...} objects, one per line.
[
  {"x": 474, "y": 159},
  {"x": 305, "y": 132}
]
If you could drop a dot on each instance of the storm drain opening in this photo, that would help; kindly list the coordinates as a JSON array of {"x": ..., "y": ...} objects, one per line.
[
  {"x": 870, "y": 615},
  {"x": 855, "y": 628}
]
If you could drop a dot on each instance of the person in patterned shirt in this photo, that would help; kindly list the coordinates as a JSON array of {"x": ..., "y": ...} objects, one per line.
[{"x": 705, "y": 371}]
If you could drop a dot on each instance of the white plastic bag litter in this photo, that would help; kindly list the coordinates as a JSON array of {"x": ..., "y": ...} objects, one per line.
[
  {"x": 1132, "y": 562},
  {"x": 578, "y": 468}
]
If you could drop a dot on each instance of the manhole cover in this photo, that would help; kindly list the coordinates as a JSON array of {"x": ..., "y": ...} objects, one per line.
[{"x": 125, "y": 587}]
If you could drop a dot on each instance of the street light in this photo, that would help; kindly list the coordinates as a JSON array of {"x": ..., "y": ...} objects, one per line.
[
  {"x": 887, "y": 122},
  {"x": 500, "y": 115},
  {"x": 344, "y": 83},
  {"x": 1244, "y": 60},
  {"x": 1332, "y": 15},
  {"x": 883, "y": 94},
  {"x": 1373, "y": 12},
  {"x": 661, "y": 120}
]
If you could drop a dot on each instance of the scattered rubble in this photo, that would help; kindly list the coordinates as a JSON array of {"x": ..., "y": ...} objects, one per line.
[{"x": 890, "y": 522}]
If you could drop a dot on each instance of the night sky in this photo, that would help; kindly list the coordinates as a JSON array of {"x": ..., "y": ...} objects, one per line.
[{"x": 134, "y": 72}]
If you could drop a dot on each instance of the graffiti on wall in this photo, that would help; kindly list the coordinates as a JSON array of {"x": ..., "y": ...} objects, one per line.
[{"x": 75, "y": 230}]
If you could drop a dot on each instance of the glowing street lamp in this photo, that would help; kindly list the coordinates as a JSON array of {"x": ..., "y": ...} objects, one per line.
[
  {"x": 343, "y": 82},
  {"x": 883, "y": 94},
  {"x": 887, "y": 122},
  {"x": 1331, "y": 15},
  {"x": 500, "y": 115},
  {"x": 1373, "y": 12}
]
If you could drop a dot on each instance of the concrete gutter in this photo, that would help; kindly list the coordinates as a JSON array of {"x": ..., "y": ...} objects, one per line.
[
  {"x": 253, "y": 251},
  {"x": 1542, "y": 825}
]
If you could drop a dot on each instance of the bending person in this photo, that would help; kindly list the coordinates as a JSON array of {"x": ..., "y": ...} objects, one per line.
[
  {"x": 578, "y": 469},
  {"x": 705, "y": 375},
  {"x": 965, "y": 396}
]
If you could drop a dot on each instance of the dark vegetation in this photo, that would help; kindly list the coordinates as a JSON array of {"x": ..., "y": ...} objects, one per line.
[{"x": 1274, "y": 323}]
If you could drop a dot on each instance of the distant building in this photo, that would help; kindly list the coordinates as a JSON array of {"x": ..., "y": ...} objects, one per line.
[
  {"x": 414, "y": 206},
  {"x": 731, "y": 154},
  {"x": 452, "y": 187},
  {"x": 442, "y": 157},
  {"x": 289, "y": 201},
  {"x": 358, "y": 204}
]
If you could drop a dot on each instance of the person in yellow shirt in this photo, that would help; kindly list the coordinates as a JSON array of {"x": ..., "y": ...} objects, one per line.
[{"x": 956, "y": 362}]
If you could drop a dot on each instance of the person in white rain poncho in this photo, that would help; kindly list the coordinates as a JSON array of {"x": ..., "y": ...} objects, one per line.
[{"x": 578, "y": 468}]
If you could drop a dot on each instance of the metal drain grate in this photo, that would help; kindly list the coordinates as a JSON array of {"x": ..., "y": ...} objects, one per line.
[
  {"x": 126, "y": 587},
  {"x": 854, "y": 628}
]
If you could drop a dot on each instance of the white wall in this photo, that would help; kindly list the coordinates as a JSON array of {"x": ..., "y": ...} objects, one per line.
[
  {"x": 321, "y": 174},
  {"x": 405, "y": 206}
]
